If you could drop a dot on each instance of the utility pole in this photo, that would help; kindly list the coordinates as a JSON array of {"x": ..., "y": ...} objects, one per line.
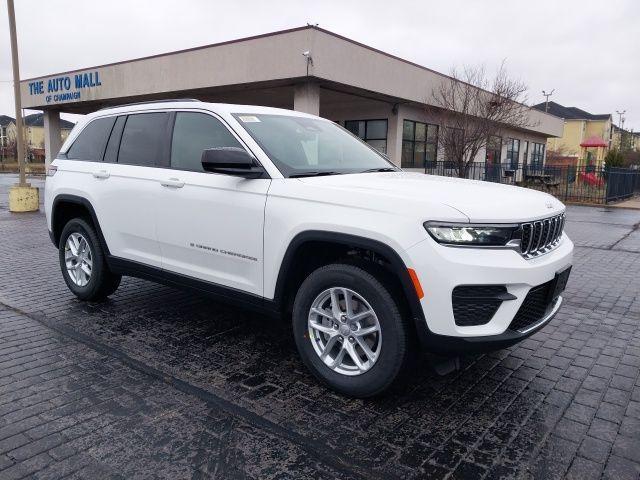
[
  {"x": 16, "y": 91},
  {"x": 546, "y": 103},
  {"x": 621, "y": 124},
  {"x": 22, "y": 197}
]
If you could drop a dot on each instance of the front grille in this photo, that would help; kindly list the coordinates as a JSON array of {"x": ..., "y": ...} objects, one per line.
[
  {"x": 535, "y": 306},
  {"x": 476, "y": 304},
  {"x": 541, "y": 236}
]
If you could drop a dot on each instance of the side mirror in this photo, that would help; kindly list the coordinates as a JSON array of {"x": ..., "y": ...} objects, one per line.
[{"x": 230, "y": 161}]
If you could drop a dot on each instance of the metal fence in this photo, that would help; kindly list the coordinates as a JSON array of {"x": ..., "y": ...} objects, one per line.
[
  {"x": 585, "y": 184},
  {"x": 31, "y": 168}
]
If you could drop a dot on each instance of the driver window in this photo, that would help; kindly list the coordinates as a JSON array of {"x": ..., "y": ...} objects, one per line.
[{"x": 192, "y": 134}]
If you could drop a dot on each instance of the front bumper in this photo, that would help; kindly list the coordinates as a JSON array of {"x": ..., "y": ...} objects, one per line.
[{"x": 440, "y": 269}]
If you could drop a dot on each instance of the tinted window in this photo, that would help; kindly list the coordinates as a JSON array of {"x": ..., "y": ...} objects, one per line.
[
  {"x": 143, "y": 139},
  {"x": 111, "y": 153},
  {"x": 89, "y": 145},
  {"x": 192, "y": 134}
]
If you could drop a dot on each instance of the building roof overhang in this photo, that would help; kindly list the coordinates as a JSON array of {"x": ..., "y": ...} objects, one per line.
[{"x": 263, "y": 61}]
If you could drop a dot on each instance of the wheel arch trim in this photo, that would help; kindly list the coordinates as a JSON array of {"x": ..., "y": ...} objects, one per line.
[
  {"x": 83, "y": 202},
  {"x": 398, "y": 267}
]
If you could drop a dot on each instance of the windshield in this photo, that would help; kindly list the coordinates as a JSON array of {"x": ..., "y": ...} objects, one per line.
[{"x": 301, "y": 146}]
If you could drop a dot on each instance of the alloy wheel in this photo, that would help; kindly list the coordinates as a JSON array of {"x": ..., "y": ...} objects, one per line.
[
  {"x": 344, "y": 331},
  {"x": 78, "y": 259}
]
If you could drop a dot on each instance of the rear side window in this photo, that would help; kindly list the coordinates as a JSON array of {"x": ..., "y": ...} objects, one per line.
[
  {"x": 192, "y": 134},
  {"x": 90, "y": 144},
  {"x": 143, "y": 139},
  {"x": 111, "y": 153}
]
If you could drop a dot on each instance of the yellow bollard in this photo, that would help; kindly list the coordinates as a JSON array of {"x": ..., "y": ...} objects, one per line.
[{"x": 23, "y": 198}]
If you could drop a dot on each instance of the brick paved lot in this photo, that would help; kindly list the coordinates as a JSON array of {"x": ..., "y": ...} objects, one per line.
[{"x": 158, "y": 383}]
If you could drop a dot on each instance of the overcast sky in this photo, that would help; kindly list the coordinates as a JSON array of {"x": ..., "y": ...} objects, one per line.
[{"x": 588, "y": 50}]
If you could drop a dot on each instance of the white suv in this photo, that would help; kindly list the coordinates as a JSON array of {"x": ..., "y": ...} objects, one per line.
[{"x": 290, "y": 215}]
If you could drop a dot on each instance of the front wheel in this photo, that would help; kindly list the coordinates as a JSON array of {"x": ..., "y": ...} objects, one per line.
[
  {"x": 349, "y": 331},
  {"x": 83, "y": 263}
]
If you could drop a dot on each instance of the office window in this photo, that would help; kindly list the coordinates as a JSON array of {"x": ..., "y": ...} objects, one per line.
[
  {"x": 192, "y": 134},
  {"x": 525, "y": 153},
  {"x": 90, "y": 144},
  {"x": 537, "y": 154},
  {"x": 143, "y": 139},
  {"x": 419, "y": 144},
  {"x": 374, "y": 132},
  {"x": 494, "y": 150},
  {"x": 513, "y": 152}
]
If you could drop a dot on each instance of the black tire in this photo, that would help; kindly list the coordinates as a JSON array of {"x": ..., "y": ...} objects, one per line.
[
  {"x": 102, "y": 282},
  {"x": 394, "y": 350}
]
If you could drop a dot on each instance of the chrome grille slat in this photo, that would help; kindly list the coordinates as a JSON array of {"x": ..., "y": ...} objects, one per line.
[
  {"x": 546, "y": 228},
  {"x": 541, "y": 236},
  {"x": 526, "y": 237},
  {"x": 535, "y": 238},
  {"x": 539, "y": 229}
]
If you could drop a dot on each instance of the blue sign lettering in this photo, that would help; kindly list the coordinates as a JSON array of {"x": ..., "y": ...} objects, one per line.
[
  {"x": 36, "y": 88},
  {"x": 85, "y": 80},
  {"x": 60, "y": 87}
]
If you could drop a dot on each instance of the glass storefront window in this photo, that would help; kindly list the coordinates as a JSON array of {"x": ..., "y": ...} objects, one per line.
[{"x": 419, "y": 144}]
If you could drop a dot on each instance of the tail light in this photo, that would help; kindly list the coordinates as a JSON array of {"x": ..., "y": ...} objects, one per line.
[{"x": 51, "y": 170}]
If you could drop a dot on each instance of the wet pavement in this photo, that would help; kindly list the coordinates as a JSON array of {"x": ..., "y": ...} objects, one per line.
[{"x": 159, "y": 383}]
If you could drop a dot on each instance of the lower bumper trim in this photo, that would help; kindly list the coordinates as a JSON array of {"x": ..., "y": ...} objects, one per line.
[
  {"x": 545, "y": 319},
  {"x": 449, "y": 345}
]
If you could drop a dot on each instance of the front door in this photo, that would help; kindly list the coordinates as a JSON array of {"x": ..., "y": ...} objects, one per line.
[{"x": 209, "y": 225}]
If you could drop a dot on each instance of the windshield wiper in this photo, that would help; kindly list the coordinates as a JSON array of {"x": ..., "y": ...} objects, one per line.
[
  {"x": 382, "y": 169},
  {"x": 312, "y": 174}
]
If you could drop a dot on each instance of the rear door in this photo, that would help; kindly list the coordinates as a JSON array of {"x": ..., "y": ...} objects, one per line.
[
  {"x": 210, "y": 226},
  {"x": 126, "y": 186}
]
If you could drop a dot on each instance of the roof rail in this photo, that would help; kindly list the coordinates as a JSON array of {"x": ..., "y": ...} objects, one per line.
[{"x": 153, "y": 101}]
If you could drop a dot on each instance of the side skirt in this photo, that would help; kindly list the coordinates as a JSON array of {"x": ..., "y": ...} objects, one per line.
[{"x": 218, "y": 293}]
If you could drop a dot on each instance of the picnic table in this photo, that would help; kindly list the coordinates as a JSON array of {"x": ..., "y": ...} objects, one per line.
[{"x": 545, "y": 179}]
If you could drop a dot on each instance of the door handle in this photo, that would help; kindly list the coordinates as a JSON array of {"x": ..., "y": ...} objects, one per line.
[
  {"x": 173, "y": 183},
  {"x": 101, "y": 174}
]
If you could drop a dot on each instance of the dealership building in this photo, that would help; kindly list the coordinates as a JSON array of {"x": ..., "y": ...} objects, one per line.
[{"x": 382, "y": 98}]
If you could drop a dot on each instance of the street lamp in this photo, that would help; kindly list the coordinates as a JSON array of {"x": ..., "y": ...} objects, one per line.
[
  {"x": 547, "y": 95},
  {"x": 621, "y": 124}
]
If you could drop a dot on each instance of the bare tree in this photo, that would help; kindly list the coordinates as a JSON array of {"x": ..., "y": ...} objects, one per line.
[
  {"x": 8, "y": 150},
  {"x": 474, "y": 108},
  {"x": 560, "y": 154}
]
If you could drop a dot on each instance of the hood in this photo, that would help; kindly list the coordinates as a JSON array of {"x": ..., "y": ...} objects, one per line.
[{"x": 480, "y": 201}]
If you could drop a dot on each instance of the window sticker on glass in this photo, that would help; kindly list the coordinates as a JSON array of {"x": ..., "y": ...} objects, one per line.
[{"x": 248, "y": 118}]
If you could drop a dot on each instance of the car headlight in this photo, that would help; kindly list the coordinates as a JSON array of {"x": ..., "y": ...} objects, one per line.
[{"x": 474, "y": 235}]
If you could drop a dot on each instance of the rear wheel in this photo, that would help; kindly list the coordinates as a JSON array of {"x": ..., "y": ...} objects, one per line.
[
  {"x": 349, "y": 331},
  {"x": 83, "y": 263}
]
